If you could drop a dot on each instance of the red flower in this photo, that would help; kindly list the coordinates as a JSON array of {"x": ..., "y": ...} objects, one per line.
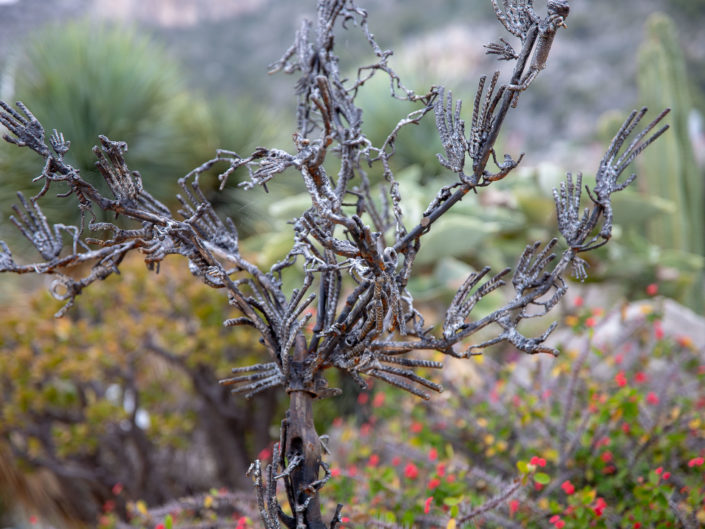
[
  {"x": 652, "y": 398},
  {"x": 556, "y": 521},
  {"x": 538, "y": 461},
  {"x": 441, "y": 469},
  {"x": 599, "y": 506},
  {"x": 345, "y": 519},
  {"x": 513, "y": 507},
  {"x": 637, "y": 525},
  {"x": 338, "y": 421},
  {"x": 652, "y": 289},
  {"x": 538, "y": 486},
  {"x": 685, "y": 341},
  {"x": 619, "y": 358},
  {"x": 434, "y": 483},
  {"x": 568, "y": 487},
  {"x": 590, "y": 322},
  {"x": 620, "y": 379},
  {"x": 433, "y": 454},
  {"x": 659, "y": 470},
  {"x": 410, "y": 471},
  {"x": 352, "y": 470},
  {"x": 159, "y": 526},
  {"x": 117, "y": 488},
  {"x": 335, "y": 472},
  {"x": 416, "y": 427},
  {"x": 696, "y": 462},
  {"x": 362, "y": 398},
  {"x": 578, "y": 301},
  {"x": 605, "y": 441},
  {"x": 640, "y": 377},
  {"x": 427, "y": 504},
  {"x": 625, "y": 427},
  {"x": 33, "y": 519},
  {"x": 666, "y": 475},
  {"x": 606, "y": 456},
  {"x": 373, "y": 461},
  {"x": 378, "y": 400},
  {"x": 396, "y": 460},
  {"x": 265, "y": 453},
  {"x": 365, "y": 428},
  {"x": 658, "y": 330}
]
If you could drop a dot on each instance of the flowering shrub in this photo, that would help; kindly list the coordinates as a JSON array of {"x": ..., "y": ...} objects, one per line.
[
  {"x": 116, "y": 406},
  {"x": 216, "y": 508},
  {"x": 609, "y": 435}
]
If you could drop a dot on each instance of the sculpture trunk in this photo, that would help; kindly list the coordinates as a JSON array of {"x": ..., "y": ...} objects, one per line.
[{"x": 302, "y": 440}]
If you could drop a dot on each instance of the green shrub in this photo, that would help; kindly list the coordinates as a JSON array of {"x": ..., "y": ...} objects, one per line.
[
  {"x": 122, "y": 395},
  {"x": 609, "y": 435},
  {"x": 86, "y": 79}
]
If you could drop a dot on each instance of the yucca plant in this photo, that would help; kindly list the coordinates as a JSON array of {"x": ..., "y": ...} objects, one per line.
[{"x": 86, "y": 79}]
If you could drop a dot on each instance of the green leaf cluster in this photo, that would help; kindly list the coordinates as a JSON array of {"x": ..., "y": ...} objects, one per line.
[
  {"x": 607, "y": 435},
  {"x": 88, "y": 78},
  {"x": 123, "y": 384}
]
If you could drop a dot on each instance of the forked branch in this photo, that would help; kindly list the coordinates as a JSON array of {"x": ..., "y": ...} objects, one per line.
[{"x": 354, "y": 251}]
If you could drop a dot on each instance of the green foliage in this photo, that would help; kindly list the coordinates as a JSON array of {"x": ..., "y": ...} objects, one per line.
[
  {"x": 242, "y": 125},
  {"x": 670, "y": 171},
  {"x": 86, "y": 79},
  {"x": 608, "y": 435},
  {"x": 125, "y": 383},
  {"x": 416, "y": 145},
  {"x": 495, "y": 229},
  {"x": 490, "y": 233}
]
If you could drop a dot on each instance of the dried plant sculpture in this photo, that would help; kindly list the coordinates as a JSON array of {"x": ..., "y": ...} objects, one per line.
[{"x": 356, "y": 253}]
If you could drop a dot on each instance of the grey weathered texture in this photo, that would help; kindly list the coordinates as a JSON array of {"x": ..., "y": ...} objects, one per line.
[{"x": 356, "y": 252}]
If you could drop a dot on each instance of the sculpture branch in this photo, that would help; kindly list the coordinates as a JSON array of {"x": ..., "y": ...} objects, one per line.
[{"x": 355, "y": 253}]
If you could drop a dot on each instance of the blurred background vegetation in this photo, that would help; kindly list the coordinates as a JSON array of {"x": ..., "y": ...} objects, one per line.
[{"x": 177, "y": 88}]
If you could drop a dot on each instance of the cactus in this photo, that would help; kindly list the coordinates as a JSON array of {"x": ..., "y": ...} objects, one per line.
[{"x": 669, "y": 170}]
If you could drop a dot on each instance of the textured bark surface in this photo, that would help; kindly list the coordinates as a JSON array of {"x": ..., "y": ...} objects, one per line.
[
  {"x": 355, "y": 250},
  {"x": 302, "y": 439}
]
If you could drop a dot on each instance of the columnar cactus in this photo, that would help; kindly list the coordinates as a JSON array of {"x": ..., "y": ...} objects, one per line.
[{"x": 670, "y": 171}]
